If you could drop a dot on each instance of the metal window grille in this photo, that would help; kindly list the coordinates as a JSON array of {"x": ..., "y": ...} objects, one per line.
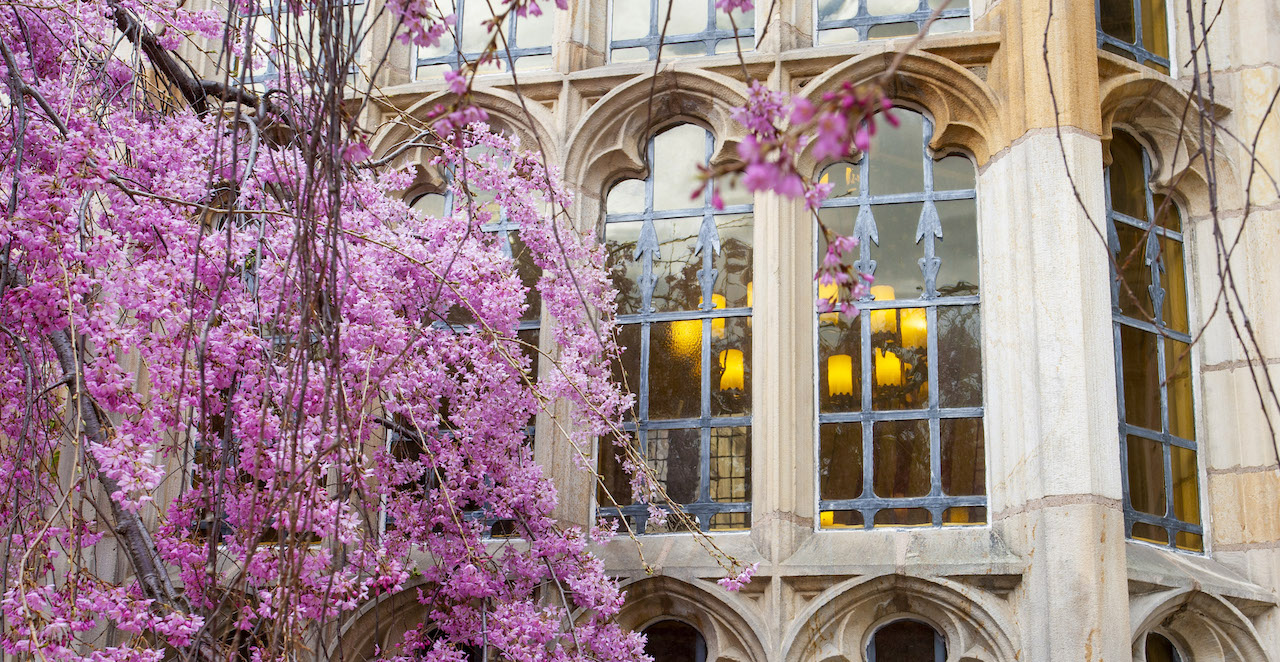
[
  {"x": 1180, "y": 534},
  {"x": 718, "y": 35},
  {"x": 1135, "y": 50},
  {"x": 702, "y": 461},
  {"x": 525, "y": 52},
  {"x": 871, "y": 19},
  {"x": 889, "y": 440}
]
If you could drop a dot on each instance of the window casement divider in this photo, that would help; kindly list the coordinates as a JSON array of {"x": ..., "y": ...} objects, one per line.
[
  {"x": 863, "y": 21},
  {"x": 1136, "y": 50},
  {"x": 710, "y": 36},
  {"x": 456, "y": 56}
]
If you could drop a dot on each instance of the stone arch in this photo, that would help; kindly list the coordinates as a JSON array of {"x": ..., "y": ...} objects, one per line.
[
  {"x": 1202, "y": 625},
  {"x": 965, "y": 111},
  {"x": 729, "y": 630},
  {"x": 837, "y": 624},
  {"x": 607, "y": 145},
  {"x": 381, "y": 622},
  {"x": 1162, "y": 117}
]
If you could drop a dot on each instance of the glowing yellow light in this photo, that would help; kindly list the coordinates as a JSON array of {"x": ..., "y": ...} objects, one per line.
[
  {"x": 731, "y": 363},
  {"x": 915, "y": 328},
  {"x": 686, "y": 338},
  {"x": 830, "y": 292},
  {"x": 828, "y": 518},
  {"x": 883, "y": 320},
  {"x": 717, "y": 325},
  {"x": 839, "y": 375},
  {"x": 888, "y": 368},
  {"x": 750, "y": 301}
]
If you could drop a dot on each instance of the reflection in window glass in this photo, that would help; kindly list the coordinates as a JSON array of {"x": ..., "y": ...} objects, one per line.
[
  {"x": 1153, "y": 355},
  {"x": 1136, "y": 29},
  {"x": 900, "y": 383},
  {"x": 843, "y": 21},
  {"x": 906, "y": 641},
  {"x": 684, "y": 278},
  {"x": 641, "y": 29},
  {"x": 525, "y": 42}
]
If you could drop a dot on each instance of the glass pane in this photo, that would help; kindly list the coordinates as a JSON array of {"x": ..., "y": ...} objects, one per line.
[
  {"x": 730, "y": 465},
  {"x": 674, "y": 456},
  {"x": 1128, "y": 183},
  {"x": 844, "y": 179},
  {"x": 954, "y": 4},
  {"x": 1135, "y": 275},
  {"x": 947, "y": 25},
  {"x": 673, "y": 641},
  {"x": 733, "y": 262},
  {"x": 1155, "y": 27},
  {"x": 963, "y": 457},
  {"x": 840, "y": 364},
  {"x": 1146, "y": 476},
  {"x": 964, "y": 515},
  {"x": 1186, "y": 485},
  {"x": 1167, "y": 214},
  {"x": 897, "y": 253},
  {"x": 901, "y": 458},
  {"x": 1115, "y": 17},
  {"x": 731, "y": 372},
  {"x": 677, "y": 153},
  {"x": 687, "y": 17},
  {"x": 1174, "y": 282},
  {"x": 1150, "y": 533},
  {"x": 743, "y": 21},
  {"x": 840, "y": 461},
  {"x": 636, "y": 54},
  {"x": 959, "y": 357},
  {"x": 899, "y": 356},
  {"x": 626, "y": 197},
  {"x": 473, "y": 32},
  {"x": 903, "y": 517},
  {"x": 626, "y": 370},
  {"x": 734, "y": 193},
  {"x": 730, "y": 521},
  {"x": 897, "y": 154},
  {"x": 630, "y": 19},
  {"x": 1192, "y": 542},
  {"x": 891, "y": 30},
  {"x": 744, "y": 44},
  {"x": 837, "y": 36},
  {"x": 624, "y": 269},
  {"x": 953, "y": 173},
  {"x": 676, "y": 271},
  {"x": 905, "y": 641},
  {"x": 685, "y": 49},
  {"x": 534, "y": 31},
  {"x": 533, "y": 63},
  {"x": 430, "y": 204},
  {"x": 433, "y": 72},
  {"x": 840, "y": 519},
  {"x": 1160, "y": 650},
  {"x": 1177, "y": 365},
  {"x": 958, "y": 248},
  {"x": 529, "y": 274},
  {"x": 529, "y": 347},
  {"x": 675, "y": 370},
  {"x": 837, "y": 10},
  {"x": 889, "y": 7},
  {"x": 1141, "y": 378},
  {"x": 615, "y": 484}
]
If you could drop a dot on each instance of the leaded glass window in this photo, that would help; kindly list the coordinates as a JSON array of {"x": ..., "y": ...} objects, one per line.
[
  {"x": 900, "y": 383},
  {"x": 843, "y": 21},
  {"x": 907, "y": 641},
  {"x": 1136, "y": 29},
  {"x": 527, "y": 46},
  {"x": 683, "y": 273},
  {"x": 1153, "y": 355},
  {"x": 284, "y": 39},
  {"x": 695, "y": 27}
]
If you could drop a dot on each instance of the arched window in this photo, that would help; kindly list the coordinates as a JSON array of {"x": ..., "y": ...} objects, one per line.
[
  {"x": 674, "y": 641},
  {"x": 1136, "y": 29},
  {"x": 695, "y": 28},
  {"x": 1153, "y": 355},
  {"x": 1160, "y": 649},
  {"x": 843, "y": 21},
  {"x": 683, "y": 273},
  {"x": 907, "y": 641},
  {"x": 900, "y": 384},
  {"x": 527, "y": 40}
]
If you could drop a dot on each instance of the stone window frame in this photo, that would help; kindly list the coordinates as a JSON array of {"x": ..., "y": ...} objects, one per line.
[
  {"x": 1136, "y": 51},
  {"x": 1165, "y": 439},
  {"x": 704, "y": 509},
  {"x": 868, "y": 504},
  {"x": 507, "y": 57},
  {"x": 863, "y": 21},
  {"x": 710, "y": 37}
]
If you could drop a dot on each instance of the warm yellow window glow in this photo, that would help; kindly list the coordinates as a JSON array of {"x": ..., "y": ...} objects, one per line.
[
  {"x": 731, "y": 364},
  {"x": 839, "y": 375},
  {"x": 828, "y": 517},
  {"x": 888, "y": 368},
  {"x": 686, "y": 337},
  {"x": 830, "y": 292},
  {"x": 883, "y": 321},
  {"x": 915, "y": 328}
]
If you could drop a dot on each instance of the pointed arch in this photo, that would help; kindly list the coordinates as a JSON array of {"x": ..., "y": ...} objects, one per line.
[
  {"x": 1203, "y": 625},
  {"x": 729, "y": 629}
]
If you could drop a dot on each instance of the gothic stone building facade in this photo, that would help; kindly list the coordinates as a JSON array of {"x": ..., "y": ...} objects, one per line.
[{"x": 1014, "y": 451}]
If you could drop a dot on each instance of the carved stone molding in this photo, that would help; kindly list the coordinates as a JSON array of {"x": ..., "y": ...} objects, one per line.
[
  {"x": 1202, "y": 625},
  {"x": 729, "y": 629}
]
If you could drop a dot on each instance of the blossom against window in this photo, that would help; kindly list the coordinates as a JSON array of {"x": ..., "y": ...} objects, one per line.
[
  {"x": 842, "y": 21},
  {"x": 694, "y": 27},
  {"x": 683, "y": 273},
  {"x": 1136, "y": 29},
  {"x": 281, "y": 39},
  {"x": 900, "y": 383},
  {"x": 525, "y": 43},
  {"x": 1153, "y": 355}
]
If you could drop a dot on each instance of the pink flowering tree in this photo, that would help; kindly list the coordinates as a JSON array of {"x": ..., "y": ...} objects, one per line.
[{"x": 216, "y": 310}]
